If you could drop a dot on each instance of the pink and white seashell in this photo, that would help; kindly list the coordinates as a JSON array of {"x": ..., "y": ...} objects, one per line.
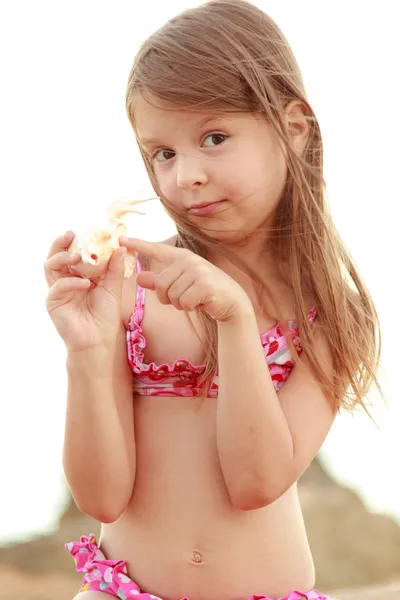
[{"x": 96, "y": 245}]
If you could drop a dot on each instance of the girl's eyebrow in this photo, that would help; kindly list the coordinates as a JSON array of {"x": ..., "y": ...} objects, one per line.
[
  {"x": 148, "y": 141},
  {"x": 207, "y": 120}
]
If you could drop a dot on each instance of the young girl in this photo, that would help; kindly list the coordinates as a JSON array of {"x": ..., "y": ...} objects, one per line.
[{"x": 200, "y": 389}]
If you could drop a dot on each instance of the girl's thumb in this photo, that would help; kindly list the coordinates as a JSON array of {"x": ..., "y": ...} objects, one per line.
[
  {"x": 114, "y": 276},
  {"x": 146, "y": 279}
]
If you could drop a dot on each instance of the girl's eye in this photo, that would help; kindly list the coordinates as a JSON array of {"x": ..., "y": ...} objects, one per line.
[
  {"x": 163, "y": 155},
  {"x": 215, "y": 139}
]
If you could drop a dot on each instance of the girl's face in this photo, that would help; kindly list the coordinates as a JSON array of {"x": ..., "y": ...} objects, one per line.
[{"x": 232, "y": 162}]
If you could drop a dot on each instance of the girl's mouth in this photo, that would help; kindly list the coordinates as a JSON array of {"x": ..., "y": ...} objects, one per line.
[{"x": 207, "y": 208}]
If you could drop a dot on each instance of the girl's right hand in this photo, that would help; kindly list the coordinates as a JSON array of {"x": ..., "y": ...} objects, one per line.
[{"x": 85, "y": 315}]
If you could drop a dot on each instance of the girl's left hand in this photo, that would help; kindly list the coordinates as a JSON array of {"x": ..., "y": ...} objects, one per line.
[{"x": 190, "y": 282}]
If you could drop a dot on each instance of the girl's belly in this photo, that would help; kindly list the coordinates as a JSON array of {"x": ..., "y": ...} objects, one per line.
[{"x": 180, "y": 534}]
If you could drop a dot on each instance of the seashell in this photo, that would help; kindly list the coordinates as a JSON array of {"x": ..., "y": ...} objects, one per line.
[{"x": 96, "y": 245}]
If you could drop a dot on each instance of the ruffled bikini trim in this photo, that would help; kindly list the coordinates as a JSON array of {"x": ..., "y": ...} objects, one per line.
[
  {"x": 182, "y": 378},
  {"x": 108, "y": 575},
  {"x": 274, "y": 342}
]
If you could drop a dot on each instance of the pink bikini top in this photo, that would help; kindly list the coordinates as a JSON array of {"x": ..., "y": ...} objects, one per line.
[{"x": 184, "y": 379}]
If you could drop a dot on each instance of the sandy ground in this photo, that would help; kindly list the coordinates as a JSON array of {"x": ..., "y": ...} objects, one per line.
[{"x": 15, "y": 585}]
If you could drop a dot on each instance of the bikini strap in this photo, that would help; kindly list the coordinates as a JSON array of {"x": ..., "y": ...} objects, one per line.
[
  {"x": 138, "y": 311},
  {"x": 312, "y": 314}
]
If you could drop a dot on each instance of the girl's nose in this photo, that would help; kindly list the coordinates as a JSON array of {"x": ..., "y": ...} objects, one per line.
[{"x": 191, "y": 173}]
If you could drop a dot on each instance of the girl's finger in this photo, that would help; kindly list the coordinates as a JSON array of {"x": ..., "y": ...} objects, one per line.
[
  {"x": 114, "y": 276},
  {"x": 178, "y": 289},
  {"x": 191, "y": 298},
  {"x": 60, "y": 267},
  {"x": 166, "y": 279},
  {"x": 146, "y": 279},
  {"x": 59, "y": 261},
  {"x": 61, "y": 243},
  {"x": 65, "y": 286},
  {"x": 163, "y": 253}
]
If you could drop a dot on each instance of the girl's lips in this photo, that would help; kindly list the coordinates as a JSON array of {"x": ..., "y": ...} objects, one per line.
[{"x": 208, "y": 208}]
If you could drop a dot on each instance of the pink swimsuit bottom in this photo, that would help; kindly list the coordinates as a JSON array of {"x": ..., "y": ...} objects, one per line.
[{"x": 111, "y": 576}]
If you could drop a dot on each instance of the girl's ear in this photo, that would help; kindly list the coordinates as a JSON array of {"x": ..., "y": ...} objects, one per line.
[{"x": 297, "y": 125}]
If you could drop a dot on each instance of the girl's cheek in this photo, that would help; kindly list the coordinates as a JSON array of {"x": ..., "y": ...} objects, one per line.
[
  {"x": 171, "y": 193},
  {"x": 167, "y": 191},
  {"x": 168, "y": 186}
]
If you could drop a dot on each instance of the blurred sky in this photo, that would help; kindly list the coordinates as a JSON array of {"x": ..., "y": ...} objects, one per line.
[{"x": 67, "y": 150}]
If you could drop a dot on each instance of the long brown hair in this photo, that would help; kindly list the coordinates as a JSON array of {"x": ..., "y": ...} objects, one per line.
[{"x": 228, "y": 55}]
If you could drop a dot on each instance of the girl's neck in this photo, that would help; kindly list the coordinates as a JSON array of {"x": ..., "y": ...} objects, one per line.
[{"x": 256, "y": 255}]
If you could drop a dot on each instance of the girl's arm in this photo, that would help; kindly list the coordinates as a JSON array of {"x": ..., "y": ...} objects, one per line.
[
  {"x": 265, "y": 442},
  {"x": 99, "y": 447}
]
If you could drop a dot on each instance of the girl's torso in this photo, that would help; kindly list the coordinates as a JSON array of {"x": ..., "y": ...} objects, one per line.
[{"x": 180, "y": 534}]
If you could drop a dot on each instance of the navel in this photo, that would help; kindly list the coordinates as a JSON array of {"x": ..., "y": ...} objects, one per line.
[{"x": 197, "y": 557}]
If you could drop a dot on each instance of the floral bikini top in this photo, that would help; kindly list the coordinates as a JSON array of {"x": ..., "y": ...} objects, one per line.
[{"x": 184, "y": 379}]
